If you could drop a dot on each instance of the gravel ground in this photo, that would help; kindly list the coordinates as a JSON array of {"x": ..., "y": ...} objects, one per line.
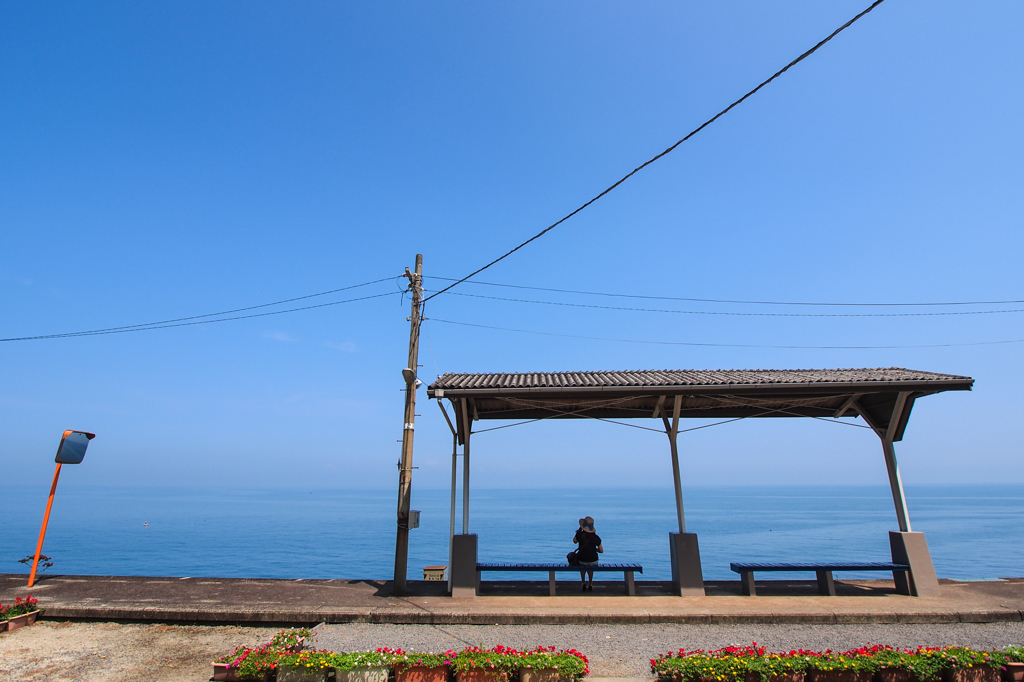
[
  {"x": 623, "y": 650},
  {"x": 169, "y": 653}
]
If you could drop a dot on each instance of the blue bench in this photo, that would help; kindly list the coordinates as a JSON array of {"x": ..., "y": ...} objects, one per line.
[
  {"x": 626, "y": 569},
  {"x": 826, "y": 584}
]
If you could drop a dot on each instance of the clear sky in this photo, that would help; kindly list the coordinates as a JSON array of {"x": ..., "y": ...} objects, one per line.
[{"x": 163, "y": 160}]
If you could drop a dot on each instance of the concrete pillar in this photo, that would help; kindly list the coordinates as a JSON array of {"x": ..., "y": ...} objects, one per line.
[
  {"x": 912, "y": 549},
  {"x": 467, "y": 429},
  {"x": 451, "y": 525},
  {"x": 687, "y": 576},
  {"x": 463, "y": 569}
]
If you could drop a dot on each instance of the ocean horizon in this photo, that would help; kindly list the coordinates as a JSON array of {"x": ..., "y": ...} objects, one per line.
[{"x": 972, "y": 530}]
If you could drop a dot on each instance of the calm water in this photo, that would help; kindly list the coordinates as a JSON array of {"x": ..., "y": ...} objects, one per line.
[{"x": 974, "y": 532}]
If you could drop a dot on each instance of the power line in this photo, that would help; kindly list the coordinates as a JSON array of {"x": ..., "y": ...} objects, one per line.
[
  {"x": 726, "y": 300},
  {"x": 198, "y": 319},
  {"x": 672, "y": 148},
  {"x": 737, "y": 314},
  {"x": 722, "y": 345}
]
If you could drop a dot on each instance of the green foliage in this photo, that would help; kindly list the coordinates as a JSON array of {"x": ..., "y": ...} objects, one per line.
[
  {"x": 736, "y": 664},
  {"x": 311, "y": 660},
  {"x": 768, "y": 666},
  {"x": 363, "y": 659},
  {"x": 730, "y": 664},
  {"x": 504, "y": 662},
  {"x": 289, "y": 638},
  {"x": 570, "y": 663},
  {"x": 256, "y": 664},
  {"x": 857, "y": 661},
  {"x": 499, "y": 660},
  {"x": 407, "y": 659},
  {"x": 927, "y": 663}
]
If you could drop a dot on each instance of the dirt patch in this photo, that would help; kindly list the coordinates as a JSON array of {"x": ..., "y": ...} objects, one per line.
[{"x": 113, "y": 651}]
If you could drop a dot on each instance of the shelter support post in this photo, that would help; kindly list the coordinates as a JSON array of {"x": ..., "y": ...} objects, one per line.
[
  {"x": 906, "y": 546},
  {"x": 455, "y": 466},
  {"x": 892, "y": 468},
  {"x": 462, "y": 570},
  {"x": 673, "y": 432},
  {"x": 451, "y": 524},
  {"x": 467, "y": 427},
  {"x": 687, "y": 576}
]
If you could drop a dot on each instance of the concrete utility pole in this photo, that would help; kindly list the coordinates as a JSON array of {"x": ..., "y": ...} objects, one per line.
[{"x": 405, "y": 465}]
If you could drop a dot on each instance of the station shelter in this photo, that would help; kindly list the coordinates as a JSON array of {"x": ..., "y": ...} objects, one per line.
[{"x": 882, "y": 397}]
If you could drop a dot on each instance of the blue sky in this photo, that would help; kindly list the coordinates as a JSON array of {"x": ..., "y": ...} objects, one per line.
[{"x": 161, "y": 160}]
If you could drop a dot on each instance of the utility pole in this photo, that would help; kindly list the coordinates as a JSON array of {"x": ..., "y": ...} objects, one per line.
[{"x": 405, "y": 465}]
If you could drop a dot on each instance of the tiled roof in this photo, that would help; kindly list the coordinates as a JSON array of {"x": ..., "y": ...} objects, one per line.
[{"x": 688, "y": 377}]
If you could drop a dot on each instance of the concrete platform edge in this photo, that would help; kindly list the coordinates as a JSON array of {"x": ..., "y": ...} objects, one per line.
[{"x": 433, "y": 618}]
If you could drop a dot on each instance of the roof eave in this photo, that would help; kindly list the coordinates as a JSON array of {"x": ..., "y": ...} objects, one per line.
[{"x": 926, "y": 386}]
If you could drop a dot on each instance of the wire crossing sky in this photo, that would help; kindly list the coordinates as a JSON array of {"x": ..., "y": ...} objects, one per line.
[{"x": 666, "y": 152}]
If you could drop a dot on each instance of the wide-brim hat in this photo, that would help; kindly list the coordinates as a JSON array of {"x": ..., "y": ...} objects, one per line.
[{"x": 587, "y": 524}]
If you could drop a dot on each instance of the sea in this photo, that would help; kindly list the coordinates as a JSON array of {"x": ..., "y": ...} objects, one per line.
[{"x": 975, "y": 532}]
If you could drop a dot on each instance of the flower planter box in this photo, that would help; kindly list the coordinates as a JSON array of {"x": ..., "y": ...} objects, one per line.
[
  {"x": 421, "y": 673},
  {"x": 788, "y": 677},
  {"x": 22, "y": 620},
  {"x": 361, "y": 675},
  {"x": 296, "y": 673},
  {"x": 1013, "y": 672},
  {"x": 894, "y": 675},
  {"x": 538, "y": 675},
  {"x": 481, "y": 675},
  {"x": 840, "y": 676},
  {"x": 297, "y": 647},
  {"x": 221, "y": 673},
  {"x": 979, "y": 673}
]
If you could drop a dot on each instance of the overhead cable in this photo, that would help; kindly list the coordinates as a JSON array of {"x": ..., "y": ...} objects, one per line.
[
  {"x": 723, "y": 345},
  {"x": 737, "y": 314},
  {"x": 196, "y": 319},
  {"x": 726, "y": 300},
  {"x": 667, "y": 151}
]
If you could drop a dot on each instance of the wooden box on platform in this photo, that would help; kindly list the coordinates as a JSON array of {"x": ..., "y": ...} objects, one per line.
[{"x": 435, "y": 573}]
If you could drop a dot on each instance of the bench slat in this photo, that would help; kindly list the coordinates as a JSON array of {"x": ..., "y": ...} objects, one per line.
[
  {"x": 867, "y": 566},
  {"x": 559, "y": 567}
]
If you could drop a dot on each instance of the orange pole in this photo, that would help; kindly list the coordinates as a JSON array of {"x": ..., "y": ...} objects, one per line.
[{"x": 42, "y": 531}]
